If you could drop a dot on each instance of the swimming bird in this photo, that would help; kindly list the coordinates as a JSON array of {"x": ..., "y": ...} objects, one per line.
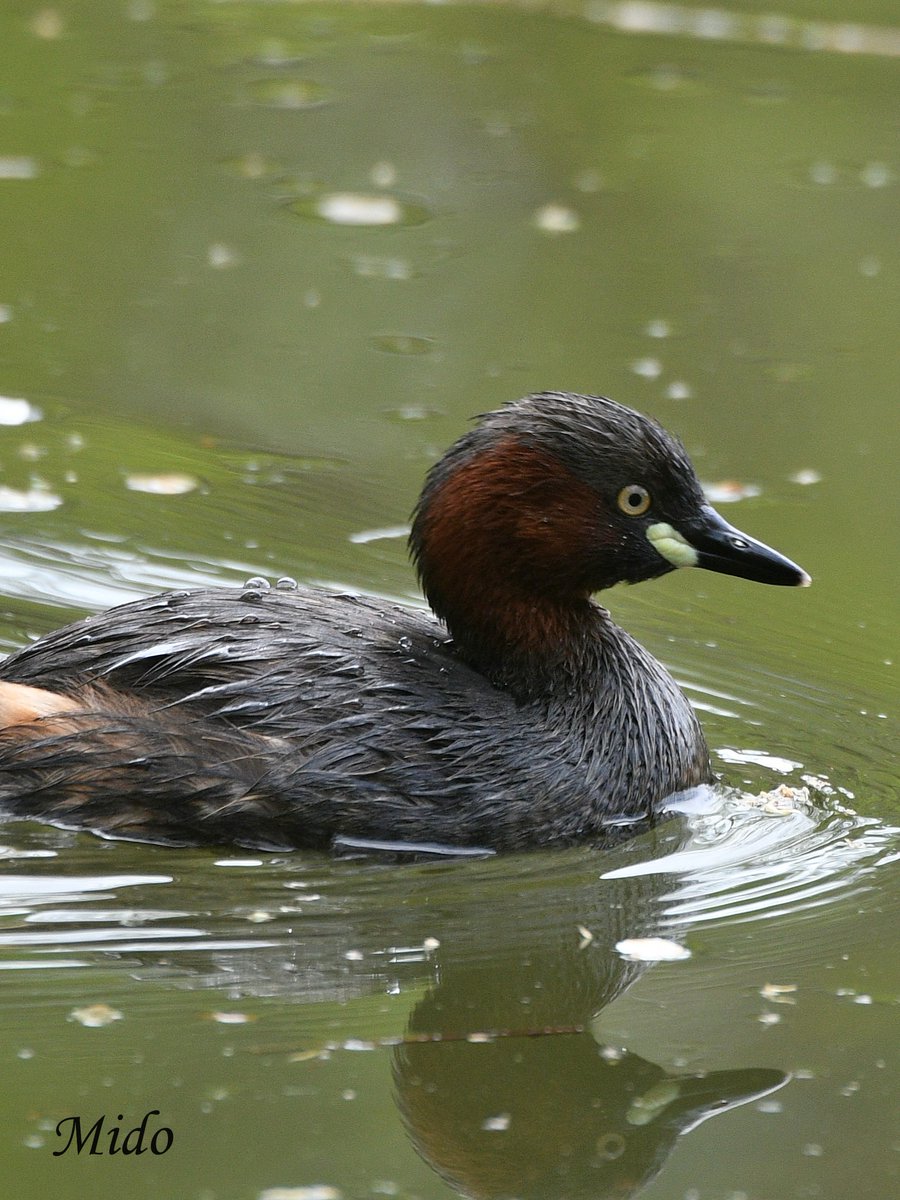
[{"x": 518, "y": 715}]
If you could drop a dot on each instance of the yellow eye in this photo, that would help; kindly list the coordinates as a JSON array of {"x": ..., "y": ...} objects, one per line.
[{"x": 634, "y": 500}]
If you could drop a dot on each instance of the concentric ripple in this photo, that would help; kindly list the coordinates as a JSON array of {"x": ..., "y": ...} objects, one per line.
[{"x": 753, "y": 858}]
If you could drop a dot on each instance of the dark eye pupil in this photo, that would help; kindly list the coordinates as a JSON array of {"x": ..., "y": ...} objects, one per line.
[{"x": 635, "y": 499}]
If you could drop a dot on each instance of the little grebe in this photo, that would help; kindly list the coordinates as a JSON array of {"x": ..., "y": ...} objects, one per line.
[{"x": 277, "y": 719}]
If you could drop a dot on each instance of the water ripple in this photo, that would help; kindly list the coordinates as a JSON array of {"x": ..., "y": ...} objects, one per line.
[{"x": 774, "y": 855}]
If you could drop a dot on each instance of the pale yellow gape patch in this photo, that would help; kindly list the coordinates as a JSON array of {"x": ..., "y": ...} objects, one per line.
[{"x": 673, "y": 547}]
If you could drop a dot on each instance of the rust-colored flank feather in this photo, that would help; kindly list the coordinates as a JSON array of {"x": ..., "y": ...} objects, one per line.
[{"x": 20, "y": 705}]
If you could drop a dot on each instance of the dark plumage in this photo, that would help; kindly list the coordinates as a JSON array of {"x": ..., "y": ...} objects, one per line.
[{"x": 283, "y": 718}]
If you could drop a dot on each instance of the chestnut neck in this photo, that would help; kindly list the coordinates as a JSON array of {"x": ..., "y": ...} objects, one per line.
[{"x": 505, "y": 545}]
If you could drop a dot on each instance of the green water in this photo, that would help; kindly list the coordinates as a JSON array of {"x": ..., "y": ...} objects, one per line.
[{"x": 259, "y": 264}]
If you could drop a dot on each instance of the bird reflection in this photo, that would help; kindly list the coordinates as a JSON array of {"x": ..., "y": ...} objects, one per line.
[
  {"x": 512, "y": 1095},
  {"x": 554, "y": 1116}
]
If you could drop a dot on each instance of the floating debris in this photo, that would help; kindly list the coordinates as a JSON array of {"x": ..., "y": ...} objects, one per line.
[
  {"x": 658, "y": 329},
  {"x": 220, "y": 256},
  {"x": 782, "y": 801},
  {"x": 95, "y": 1016},
  {"x": 14, "y": 410},
  {"x": 647, "y": 368},
  {"x": 877, "y": 175},
  {"x": 823, "y": 173},
  {"x": 779, "y": 993},
  {"x": 498, "y": 1124},
  {"x": 585, "y": 936},
  {"x": 806, "y": 477},
  {"x": 173, "y": 484},
  {"x": 653, "y": 949},
  {"x": 315, "y": 1191},
  {"x": 18, "y": 167},
  {"x": 47, "y": 24},
  {"x": 360, "y": 209},
  {"x": 36, "y": 499},
  {"x": 556, "y": 218},
  {"x": 778, "y": 808},
  {"x": 727, "y": 491},
  {"x": 679, "y": 390}
]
